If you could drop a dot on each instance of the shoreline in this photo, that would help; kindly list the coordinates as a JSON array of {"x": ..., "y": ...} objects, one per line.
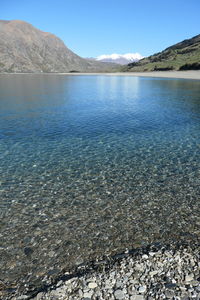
[
  {"x": 194, "y": 74},
  {"x": 156, "y": 271},
  {"x": 168, "y": 271}
]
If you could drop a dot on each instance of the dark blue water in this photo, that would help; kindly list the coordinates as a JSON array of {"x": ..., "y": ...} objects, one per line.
[{"x": 92, "y": 165}]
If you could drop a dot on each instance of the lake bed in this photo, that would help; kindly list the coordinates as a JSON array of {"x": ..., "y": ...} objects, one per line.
[{"x": 91, "y": 166}]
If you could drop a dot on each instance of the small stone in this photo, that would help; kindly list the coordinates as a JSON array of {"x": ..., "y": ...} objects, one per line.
[
  {"x": 22, "y": 297},
  {"x": 152, "y": 253},
  {"x": 119, "y": 294},
  {"x": 194, "y": 283},
  {"x": 189, "y": 277},
  {"x": 145, "y": 256},
  {"x": 28, "y": 251},
  {"x": 92, "y": 285},
  {"x": 142, "y": 289},
  {"x": 51, "y": 253},
  {"x": 197, "y": 288},
  {"x": 138, "y": 267},
  {"x": 108, "y": 286},
  {"x": 169, "y": 294},
  {"x": 87, "y": 295},
  {"x": 59, "y": 283},
  {"x": 80, "y": 293},
  {"x": 153, "y": 273},
  {"x": 125, "y": 279},
  {"x": 170, "y": 285},
  {"x": 139, "y": 297},
  {"x": 39, "y": 296},
  {"x": 131, "y": 289},
  {"x": 118, "y": 283}
]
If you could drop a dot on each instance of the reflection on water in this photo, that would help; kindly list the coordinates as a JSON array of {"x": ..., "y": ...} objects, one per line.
[
  {"x": 130, "y": 87},
  {"x": 92, "y": 165}
]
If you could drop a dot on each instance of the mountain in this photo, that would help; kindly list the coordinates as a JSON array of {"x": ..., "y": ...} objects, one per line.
[
  {"x": 23, "y": 48},
  {"x": 121, "y": 59},
  {"x": 182, "y": 56}
]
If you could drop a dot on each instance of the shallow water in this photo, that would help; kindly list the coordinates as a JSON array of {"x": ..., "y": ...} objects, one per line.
[{"x": 94, "y": 165}]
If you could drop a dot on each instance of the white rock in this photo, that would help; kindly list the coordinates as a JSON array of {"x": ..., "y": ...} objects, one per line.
[
  {"x": 152, "y": 253},
  {"x": 92, "y": 285},
  {"x": 59, "y": 283}
]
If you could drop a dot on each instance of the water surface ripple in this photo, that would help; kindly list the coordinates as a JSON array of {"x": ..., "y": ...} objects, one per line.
[{"x": 94, "y": 165}]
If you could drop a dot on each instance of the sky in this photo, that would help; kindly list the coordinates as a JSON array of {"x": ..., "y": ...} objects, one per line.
[{"x": 95, "y": 27}]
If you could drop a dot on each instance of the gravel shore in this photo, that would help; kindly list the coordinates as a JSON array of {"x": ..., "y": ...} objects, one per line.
[
  {"x": 194, "y": 74},
  {"x": 154, "y": 272}
]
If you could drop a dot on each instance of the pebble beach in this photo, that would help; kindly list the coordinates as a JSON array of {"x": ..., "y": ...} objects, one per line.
[{"x": 154, "y": 272}]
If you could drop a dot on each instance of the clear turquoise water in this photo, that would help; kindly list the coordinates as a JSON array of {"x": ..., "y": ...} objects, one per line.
[{"x": 93, "y": 165}]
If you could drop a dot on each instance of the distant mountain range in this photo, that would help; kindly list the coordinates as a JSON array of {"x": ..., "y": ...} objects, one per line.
[
  {"x": 121, "y": 59},
  {"x": 182, "y": 56},
  {"x": 23, "y": 48},
  {"x": 26, "y": 49}
]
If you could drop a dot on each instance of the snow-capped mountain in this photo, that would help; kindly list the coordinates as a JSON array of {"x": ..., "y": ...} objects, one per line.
[{"x": 121, "y": 59}]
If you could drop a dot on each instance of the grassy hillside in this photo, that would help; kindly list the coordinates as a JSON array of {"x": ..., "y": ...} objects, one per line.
[{"x": 182, "y": 56}]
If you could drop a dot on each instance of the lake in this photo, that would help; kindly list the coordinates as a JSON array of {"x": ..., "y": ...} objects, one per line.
[{"x": 91, "y": 166}]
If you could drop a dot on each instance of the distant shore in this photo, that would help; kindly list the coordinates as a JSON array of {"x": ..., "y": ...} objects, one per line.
[
  {"x": 195, "y": 74},
  {"x": 157, "y": 74}
]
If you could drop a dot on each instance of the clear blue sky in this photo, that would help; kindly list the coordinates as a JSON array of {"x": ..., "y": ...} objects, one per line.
[{"x": 94, "y": 27}]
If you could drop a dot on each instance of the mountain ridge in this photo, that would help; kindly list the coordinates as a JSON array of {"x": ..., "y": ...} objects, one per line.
[
  {"x": 184, "y": 55},
  {"x": 26, "y": 49}
]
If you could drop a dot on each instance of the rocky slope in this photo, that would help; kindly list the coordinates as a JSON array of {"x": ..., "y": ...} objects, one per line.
[
  {"x": 23, "y": 48},
  {"x": 182, "y": 56}
]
